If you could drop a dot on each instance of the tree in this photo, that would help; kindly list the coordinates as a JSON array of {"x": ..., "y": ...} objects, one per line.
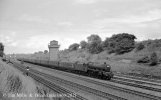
[
  {"x": 94, "y": 48},
  {"x": 1, "y": 49},
  {"x": 73, "y": 46},
  {"x": 35, "y": 52},
  {"x": 83, "y": 44},
  {"x": 94, "y": 38},
  {"x": 105, "y": 44},
  {"x": 1, "y": 53},
  {"x": 45, "y": 51},
  {"x": 94, "y": 44},
  {"x": 121, "y": 43},
  {"x": 153, "y": 59},
  {"x": 40, "y": 52}
]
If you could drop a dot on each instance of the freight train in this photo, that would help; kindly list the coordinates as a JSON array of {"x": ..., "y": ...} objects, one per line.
[{"x": 101, "y": 71}]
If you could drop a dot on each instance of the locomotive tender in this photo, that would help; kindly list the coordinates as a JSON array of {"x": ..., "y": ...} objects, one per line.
[{"x": 102, "y": 71}]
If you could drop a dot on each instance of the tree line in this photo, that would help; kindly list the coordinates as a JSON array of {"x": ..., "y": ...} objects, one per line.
[
  {"x": 117, "y": 43},
  {"x": 1, "y": 49}
]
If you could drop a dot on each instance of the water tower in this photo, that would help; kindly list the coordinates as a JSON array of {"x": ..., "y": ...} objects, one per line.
[{"x": 53, "y": 50}]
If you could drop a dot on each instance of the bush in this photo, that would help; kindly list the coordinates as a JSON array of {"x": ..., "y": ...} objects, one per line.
[
  {"x": 140, "y": 46},
  {"x": 153, "y": 59},
  {"x": 145, "y": 59}
]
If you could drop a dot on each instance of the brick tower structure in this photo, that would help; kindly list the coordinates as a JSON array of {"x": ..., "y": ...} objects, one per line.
[{"x": 53, "y": 50}]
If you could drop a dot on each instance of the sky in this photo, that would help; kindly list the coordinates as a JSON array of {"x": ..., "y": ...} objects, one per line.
[{"x": 27, "y": 26}]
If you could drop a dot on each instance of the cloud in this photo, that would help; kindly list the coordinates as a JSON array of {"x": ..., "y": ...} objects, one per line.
[
  {"x": 8, "y": 39},
  {"x": 66, "y": 42},
  {"x": 30, "y": 18},
  {"x": 13, "y": 44},
  {"x": 40, "y": 42},
  {"x": 72, "y": 21},
  {"x": 129, "y": 20},
  {"x": 32, "y": 43},
  {"x": 65, "y": 23},
  {"x": 86, "y": 1}
]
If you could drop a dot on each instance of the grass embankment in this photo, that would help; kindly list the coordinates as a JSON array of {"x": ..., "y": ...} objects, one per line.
[
  {"x": 14, "y": 83},
  {"x": 125, "y": 63}
]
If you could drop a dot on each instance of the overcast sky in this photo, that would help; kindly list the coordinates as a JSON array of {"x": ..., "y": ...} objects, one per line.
[{"x": 27, "y": 26}]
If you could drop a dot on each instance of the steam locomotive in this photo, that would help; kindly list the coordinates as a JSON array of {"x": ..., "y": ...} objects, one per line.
[{"x": 101, "y": 71}]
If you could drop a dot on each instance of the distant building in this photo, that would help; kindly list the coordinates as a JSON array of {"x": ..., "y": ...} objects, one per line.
[{"x": 53, "y": 50}]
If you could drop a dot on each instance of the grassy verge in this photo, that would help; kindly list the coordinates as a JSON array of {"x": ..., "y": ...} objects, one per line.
[{"x": 14, "y": 85}]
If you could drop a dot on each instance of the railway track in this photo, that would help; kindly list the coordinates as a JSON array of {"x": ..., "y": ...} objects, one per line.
[
  {"x": 137, "y": 81},
  {"x": 134, "y": 83},
  {"x": 84, "y": 88},
  {"x": 38, "y": 76},
  {"x": 134, "y": 92},
  {"x": 56, "y": 88},
  {"x": 138, "y": 78},
  {"x": 51, "y": 85}
]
